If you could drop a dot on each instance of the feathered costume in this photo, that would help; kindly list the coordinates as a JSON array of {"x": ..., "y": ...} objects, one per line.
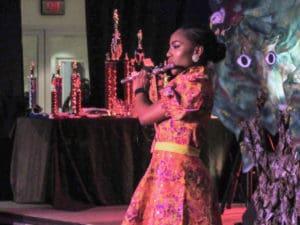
[{"x": 257, "y": 96}]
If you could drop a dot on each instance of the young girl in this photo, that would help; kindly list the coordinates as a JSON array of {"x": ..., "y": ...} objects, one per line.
[{"x": 176, "y": 188}]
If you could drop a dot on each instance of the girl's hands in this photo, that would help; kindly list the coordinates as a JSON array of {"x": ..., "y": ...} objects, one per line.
[{"x": 141, "y": 81}]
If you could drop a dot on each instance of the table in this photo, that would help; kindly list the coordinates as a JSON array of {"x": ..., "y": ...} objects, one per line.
[
  {"x": 76, "y": 163},
  {"x": 79, "y": 163}
]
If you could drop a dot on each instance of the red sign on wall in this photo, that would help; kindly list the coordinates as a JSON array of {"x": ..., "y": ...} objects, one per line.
[{"x": 52, "y": 7}]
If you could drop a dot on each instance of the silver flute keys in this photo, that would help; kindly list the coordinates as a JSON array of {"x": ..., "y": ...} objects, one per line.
[{"x": 155, "y": 71}]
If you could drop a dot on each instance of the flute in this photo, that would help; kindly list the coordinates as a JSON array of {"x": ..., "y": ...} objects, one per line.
[{"x": 155, "y": 71}]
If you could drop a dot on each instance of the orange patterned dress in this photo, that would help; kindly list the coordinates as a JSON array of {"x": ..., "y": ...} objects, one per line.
[{"x": 176, "y": 188}]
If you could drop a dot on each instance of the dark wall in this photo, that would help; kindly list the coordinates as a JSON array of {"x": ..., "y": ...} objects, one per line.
[
  {"x": 157, "y": 18},
  {"x": 11, "y": 84}
]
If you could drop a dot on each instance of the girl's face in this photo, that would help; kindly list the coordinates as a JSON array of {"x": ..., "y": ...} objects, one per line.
[{"x": 180, "y": 51}]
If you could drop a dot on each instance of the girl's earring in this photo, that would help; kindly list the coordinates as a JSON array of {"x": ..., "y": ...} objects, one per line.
[{"x": 195, "y": 58}]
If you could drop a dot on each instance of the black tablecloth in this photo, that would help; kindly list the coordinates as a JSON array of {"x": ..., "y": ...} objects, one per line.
[
  {"x": 78, "y": 163},
  {"x": 73, "y": 163}
]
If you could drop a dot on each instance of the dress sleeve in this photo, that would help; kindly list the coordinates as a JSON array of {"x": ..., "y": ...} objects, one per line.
[{"x": 187, "y": 97}]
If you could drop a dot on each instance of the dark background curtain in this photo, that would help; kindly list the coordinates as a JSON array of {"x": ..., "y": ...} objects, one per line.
[
  {"x": 157, "y": 19},
  {"x": 11, "y": 84}
]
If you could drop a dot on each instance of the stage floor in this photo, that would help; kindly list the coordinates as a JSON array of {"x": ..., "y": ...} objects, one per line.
[{"x": 37, "y": 214}]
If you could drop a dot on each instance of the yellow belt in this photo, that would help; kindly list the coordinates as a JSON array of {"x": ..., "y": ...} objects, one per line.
[{"x": 177, "y": 148}]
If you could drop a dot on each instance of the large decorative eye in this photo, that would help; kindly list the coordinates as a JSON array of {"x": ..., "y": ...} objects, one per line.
[
  {"x": 244, "y": 61},
  {"x": 270, "y": 58}
]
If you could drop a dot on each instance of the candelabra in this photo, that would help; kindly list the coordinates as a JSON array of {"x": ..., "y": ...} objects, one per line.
[
  {"x": 56, "y": 91},
  {"x": 32, "y": 87},
  {"x": 128, "y": 86},
  {"x": 54, "y": 104},
  {"x": 58, "y": 86},
  {"x": 111, "y": 66},
  {"x": 75, "y": 91},
  {"x": 122, "y": 107},
  {"x": 110, "y": 83},
  {"x": 116, "y": 42}
]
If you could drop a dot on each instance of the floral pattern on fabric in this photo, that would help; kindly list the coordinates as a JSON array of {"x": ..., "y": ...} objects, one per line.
[
  {"x": 176, "y": 188},
  {"x": 187, "y": 93},
  {"x": 188, "y": 101}
]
